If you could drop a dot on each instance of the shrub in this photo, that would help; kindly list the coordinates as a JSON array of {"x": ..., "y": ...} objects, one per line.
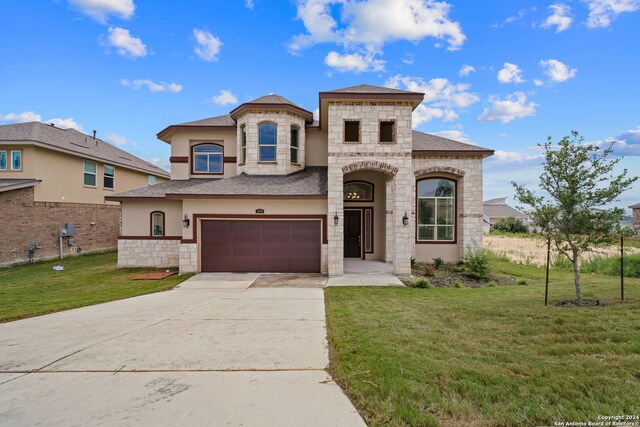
[
  {"x": 457, "y": 284},
  {"x": 492, "y": 284},
  {"x": 422, "y": 283},
  {"x": 476, "y": 263},
  {"x": 413, "y": 261},
  {"x": 522, "y": 282},
  {"x": 437, "y": 262},
  {"x": 510, "y": 225},
  {"x": 429, "y": 271}
]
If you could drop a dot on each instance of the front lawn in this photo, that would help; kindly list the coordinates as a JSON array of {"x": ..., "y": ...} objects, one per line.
[
  {"x": 490, "y": 356},
  {"x": 35, "y": 289}
]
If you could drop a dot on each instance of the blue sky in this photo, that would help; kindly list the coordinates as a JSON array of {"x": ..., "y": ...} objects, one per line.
[{"x": 502, "y": 74}]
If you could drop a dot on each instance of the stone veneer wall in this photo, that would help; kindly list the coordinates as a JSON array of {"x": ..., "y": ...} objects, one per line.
[
  {"x": 469, "y": 215},
  {"x": 26, "y": 222},
  {"x": 148, "y": 253},
  {"x": 284, "y": 120},
  {"x": 188, "y": 258},
  {"x": 391, "y": 159}
]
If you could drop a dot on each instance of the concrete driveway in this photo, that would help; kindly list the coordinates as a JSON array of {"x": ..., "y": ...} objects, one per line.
[{"x": 211, "y": 352}]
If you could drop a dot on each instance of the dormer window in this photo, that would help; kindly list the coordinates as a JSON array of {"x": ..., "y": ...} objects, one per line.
[
  {"x": 207, "y": 159},
  {"x": 294, "y": 144},
  {"x": 267, "y": 141}
]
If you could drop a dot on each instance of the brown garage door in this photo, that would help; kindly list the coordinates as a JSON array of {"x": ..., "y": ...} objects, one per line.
[{"x": 261, "y": 246}]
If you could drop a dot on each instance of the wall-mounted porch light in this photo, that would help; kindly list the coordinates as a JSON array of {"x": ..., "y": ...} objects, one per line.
[
  {"x": 405, "y": 219},
  {"x": 185, "y": 221},
  {"x": 336, "y": 219}
]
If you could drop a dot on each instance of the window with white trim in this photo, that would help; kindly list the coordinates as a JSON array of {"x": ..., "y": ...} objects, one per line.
[
  {"x": 157, "y": 224},
  {"x": 436, "y": 209},
  {"x": 109, "y": 177},
  {"x": 267, "y": 142},
  {"x": 90, "y": 169},
  {"x": 16, "y": 160},
  {"x": 208, "y": 158},
  {"x": 243, "y": 145},
  {"x": 295, "y": 132},
  {"x": 151, "y": 180},
  {"x": 3, "y": 160}
]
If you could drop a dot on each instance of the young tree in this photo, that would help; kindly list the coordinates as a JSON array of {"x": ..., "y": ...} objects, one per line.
[{"x": 580, "y": 183}]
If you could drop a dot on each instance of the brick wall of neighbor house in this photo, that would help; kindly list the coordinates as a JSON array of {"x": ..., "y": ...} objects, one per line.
[
  {"x": 148, "y": 253},
  {"x": 636, "y": 219},
  {"x": 26, "y": 222}
]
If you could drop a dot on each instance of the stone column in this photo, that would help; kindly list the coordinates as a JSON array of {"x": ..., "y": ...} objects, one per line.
[
  {"x": 389, "y": 225},
  {"x": 335, "y": 232},
  {"x": 404, "y": 186}
]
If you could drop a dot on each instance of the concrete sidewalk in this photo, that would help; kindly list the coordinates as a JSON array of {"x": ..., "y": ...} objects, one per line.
[{"x": 210, "y": 352}]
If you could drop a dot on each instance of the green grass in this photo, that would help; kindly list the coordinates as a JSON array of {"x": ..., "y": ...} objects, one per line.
[
  {"x": 34, "y": 289},
  {"x": 493, "y": 356},
  {"x": 599, "y": 264}
]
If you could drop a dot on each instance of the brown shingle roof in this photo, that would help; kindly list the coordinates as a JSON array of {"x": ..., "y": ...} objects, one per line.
[
  {"x": 77, "y": 143},
  {"x": 224, "y": 121},
  {"x": 501, "y": 211},
  {"x": 15, "y": 184},
  {"x": 309, "y": 183},
  {"x": 636, "y": 206},
  {"x": 159, "y": 191},
  {"x": 273, "y": 101},
  {"x": 372, "y": 89},
  {"x": 427, "y": 143}
]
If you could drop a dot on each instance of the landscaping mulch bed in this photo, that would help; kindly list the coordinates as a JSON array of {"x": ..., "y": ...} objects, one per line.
[{"x": 447, "y": 275}]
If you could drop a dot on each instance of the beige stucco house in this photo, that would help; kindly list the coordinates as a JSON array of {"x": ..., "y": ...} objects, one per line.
[
  {"x": 50, "y": 177},
  {"x": 268, "y": 189}
]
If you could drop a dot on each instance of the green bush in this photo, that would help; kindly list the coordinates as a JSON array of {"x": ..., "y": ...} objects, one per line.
[
  {"x": 522, "y": 282},
  {"x": 457, "y": 284},
  {"x": 492, "y": 284},
  {"x": 510, "y": 225},
  {"x": 429, "y": 271},
  {"x": 476, "y": 263},
  {"x": 413, "y": 261},
  {"x": 422, "y": 283},
  {"x": 437, "y": 262}
]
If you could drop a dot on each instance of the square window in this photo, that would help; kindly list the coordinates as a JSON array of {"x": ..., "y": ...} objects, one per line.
[
  {"x": 387, "y": 131},
  {"x": 151, "y": 180},
  {"x": 351, "y": 131}
]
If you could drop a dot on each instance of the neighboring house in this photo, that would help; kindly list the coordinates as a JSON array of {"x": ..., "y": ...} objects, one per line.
[
  {"x": 496, "y": 209},
  {"x": 50, "y": 177},
  {"x": 635, "y": 209},
  {"x": 268, "y": 189}
]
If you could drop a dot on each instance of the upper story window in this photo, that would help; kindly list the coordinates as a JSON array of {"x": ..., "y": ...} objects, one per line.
[
  {"x": 151, "y": 180},
  {"x": 90, "y": 169},
  {"x": 358, "y": 191},
  {"x": 207, "y": 159},
  {"x": 157, "y": 224},
  {"x": 16, "y": 160},
  {"x": 267, "y": 141},
  {"x": 387, "y": 131},
  {"x": 3, "y": 160},
  {"x": 351, "y": 131},
  {"x": 243, "y": 145},
  {"x": 109, "y": 177},
  {"x": 295, "y": 146},
  {"x": 436, "y": 209}
]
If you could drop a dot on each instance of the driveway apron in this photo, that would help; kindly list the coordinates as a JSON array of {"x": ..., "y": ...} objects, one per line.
[{"x": 210, "y": 352}]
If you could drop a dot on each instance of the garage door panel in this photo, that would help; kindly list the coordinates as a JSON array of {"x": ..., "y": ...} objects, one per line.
[{"x": 261, "y": 246}]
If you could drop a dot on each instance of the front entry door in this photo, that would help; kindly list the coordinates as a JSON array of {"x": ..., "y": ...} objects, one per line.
[{"x": 352, "y": 231}]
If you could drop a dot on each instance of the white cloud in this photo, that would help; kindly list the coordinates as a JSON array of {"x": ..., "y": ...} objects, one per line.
[
  {"x": 372, "y": 23},
  {"x": 68, "y": 123},
  {"x": 100, "y": 9},
  {"x": 626, "y": 142},
  {"x": 152, "y": 86},
  {"x": 603, "y": 12},
  {"x": 514, "y": 106},
  {"x": 226, "y": 97},
  {"x": 126, "y": 44},
  {"x": 521, "y": 14},
  {"x": 119, "y": 140},
  {"x": 560, "y": 18},
  {"x": 161, "y": 163},
  {"x": 441, "y": 99},
  {"x": 30, "y": 116},
  {"x": 316, "y": 114},
  {"x": 466, "y": 70},
  {"x": 538, "y": 82},
  {"x": 207, "y": 45},
  {"x": 557, "y": 71},
  {"x": 514, "y": 156},
  {"x": 354, "y": 62},
  {"x": 510, "y": 73},
  {"x": 409, "y": 59},
  {"x": 456, "y": 135},
  {"x": 24, "y": 117},
  {"x": 248, "y": 4}
]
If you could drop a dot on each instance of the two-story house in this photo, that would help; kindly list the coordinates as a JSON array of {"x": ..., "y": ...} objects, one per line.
[
  {"x": 268, "y": 189},
  {"x": 50, "y": 177}
]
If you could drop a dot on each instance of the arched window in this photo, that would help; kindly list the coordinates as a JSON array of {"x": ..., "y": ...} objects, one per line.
[
  {"x": 267, "y": 140},
  {"x": 295, "y": 132},
  {"x": 436, "y": 209},
  {"x": 207, "y": 159},
  {"x": 358, "y": 191},
  {"x": 243, "y": 145},
  {"x": 157, "y": 223}
]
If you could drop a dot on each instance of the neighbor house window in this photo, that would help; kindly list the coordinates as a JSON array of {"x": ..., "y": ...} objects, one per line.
[
  {"x": 351, "y": 131},
  {"x": 157, "y": 224},
  {"x": 90, "y": 169},
  {"x": 151, "y": 180},
  {"x": 436, "y": 209},
  {"x": 16, "y": 160},
  {"x": 358, "y": 191},
  {"x": 109, "y": 174},
  {"x": 267, "y": 141},
  {"x": 207, "y": 158},
  {"x": 243, "y": 145},
  {"x": 388, "y": 131},
  {"x": 3, "y": 160},
  {"x": 294, "y": 144}
]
